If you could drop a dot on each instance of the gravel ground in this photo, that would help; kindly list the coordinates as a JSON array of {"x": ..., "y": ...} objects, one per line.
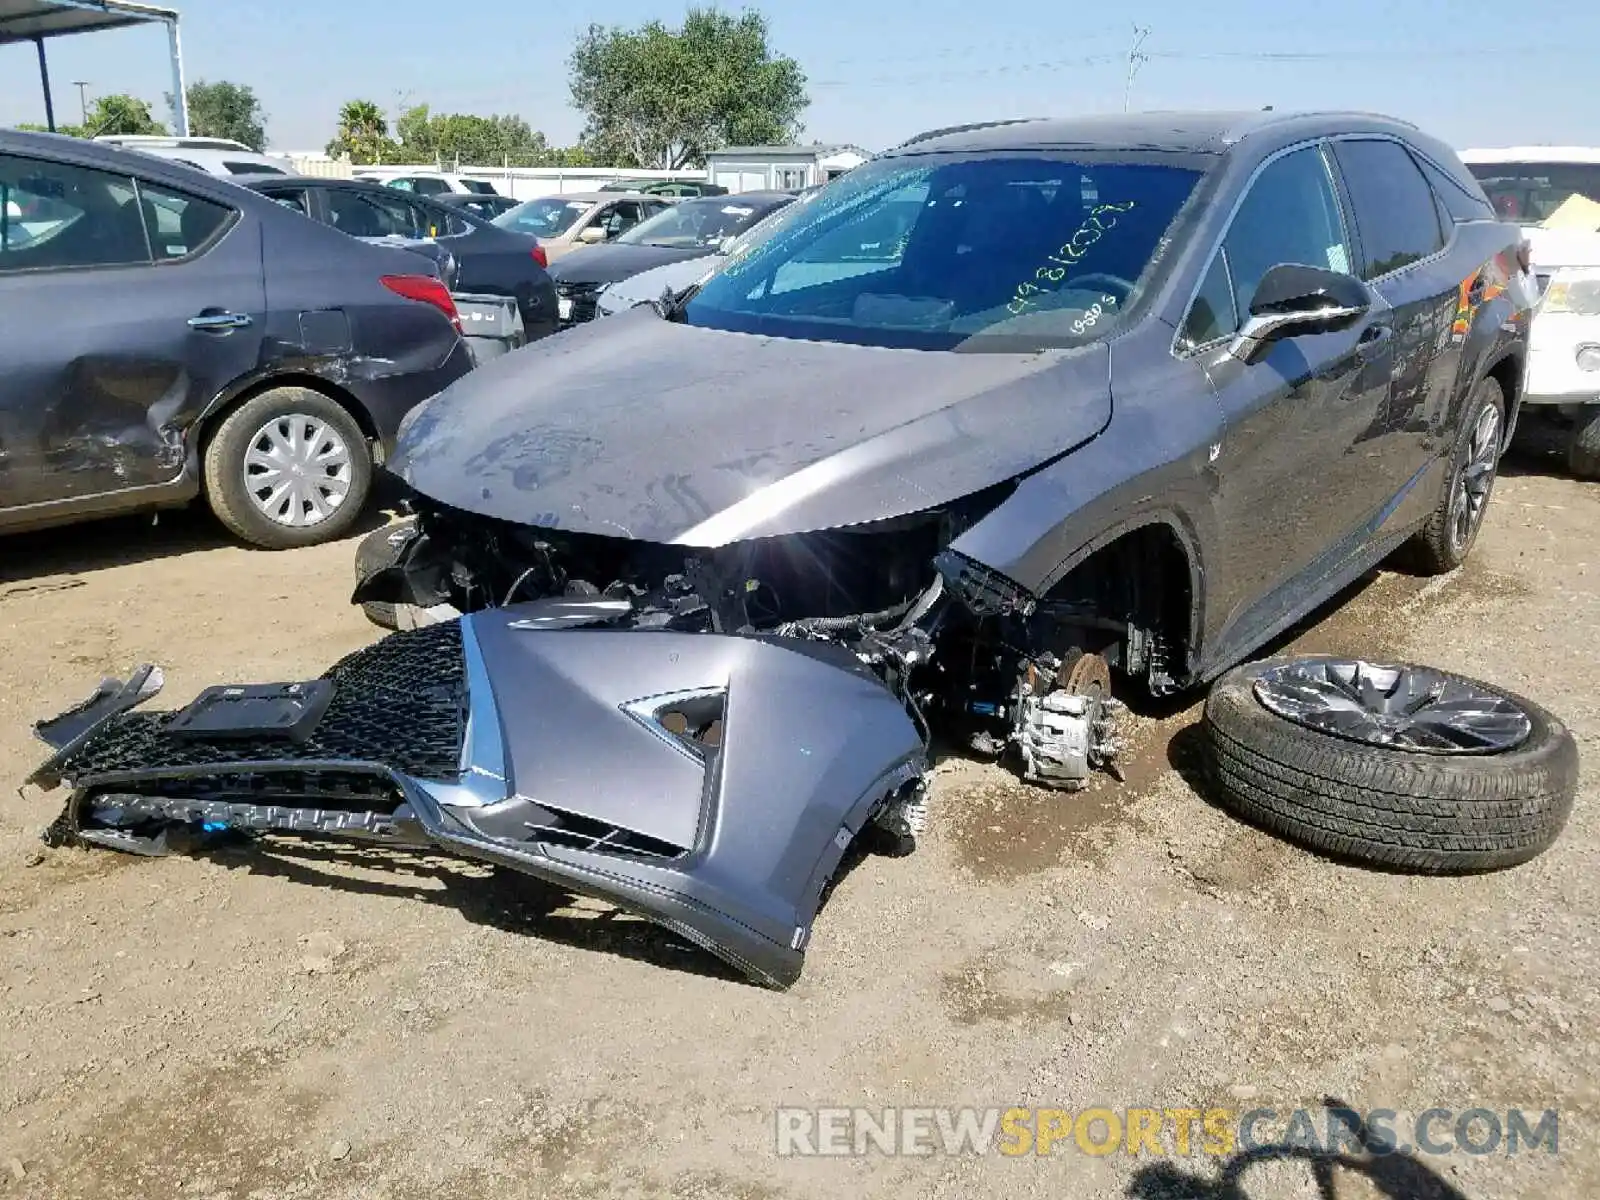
[{"x": 313, "y": 1022}]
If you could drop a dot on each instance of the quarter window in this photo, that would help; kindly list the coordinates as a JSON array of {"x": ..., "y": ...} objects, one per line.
[
  {"x": 179, "y": 225},
  {"x": 1395, "y": 208}
]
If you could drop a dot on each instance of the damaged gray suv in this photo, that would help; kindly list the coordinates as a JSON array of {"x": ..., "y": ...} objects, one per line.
[{"x": 1011, "y": 419}]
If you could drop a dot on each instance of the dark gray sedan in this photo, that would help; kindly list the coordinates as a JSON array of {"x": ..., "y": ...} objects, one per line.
[{"x": 169, "y": 335}]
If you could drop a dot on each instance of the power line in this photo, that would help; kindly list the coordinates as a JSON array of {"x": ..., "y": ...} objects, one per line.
[{"x": 1087, "y": 60}]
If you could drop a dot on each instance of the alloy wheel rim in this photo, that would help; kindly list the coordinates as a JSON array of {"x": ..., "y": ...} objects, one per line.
[
  {"x": 1400, "y": 707},
  {"x": 297, "y": 471},
  {"x": 1475, "y": 480}
]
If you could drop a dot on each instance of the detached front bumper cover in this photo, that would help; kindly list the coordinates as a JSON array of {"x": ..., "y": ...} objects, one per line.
[{"x": 708, "y": 783}]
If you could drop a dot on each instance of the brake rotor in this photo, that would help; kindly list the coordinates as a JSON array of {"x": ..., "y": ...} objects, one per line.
[{"x": 1087, "y": 675}]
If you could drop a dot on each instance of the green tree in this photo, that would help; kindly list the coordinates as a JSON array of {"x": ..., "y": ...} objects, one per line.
[
  {"x": 426, "y": 136},
  {"x": 363, "y": 134},
  {"x": 119, "y": 114},
  {"x": 227, "y": 110},
  {"x": 660, "y": 97}
]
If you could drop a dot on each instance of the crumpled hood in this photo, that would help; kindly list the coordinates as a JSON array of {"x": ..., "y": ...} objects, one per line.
[{"x": 638, "y": 427}]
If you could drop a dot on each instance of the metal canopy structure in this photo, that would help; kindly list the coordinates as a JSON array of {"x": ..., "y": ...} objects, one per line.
[{"x": 37, "y": 20}]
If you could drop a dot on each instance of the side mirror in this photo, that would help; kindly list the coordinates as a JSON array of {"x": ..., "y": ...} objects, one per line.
[
  {"x": 1292, "y": 300},
  {"x": 591, "y": 234}
]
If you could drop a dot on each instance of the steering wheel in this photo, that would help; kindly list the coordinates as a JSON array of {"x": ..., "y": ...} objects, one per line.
[{"x": 1104, "y": 281}]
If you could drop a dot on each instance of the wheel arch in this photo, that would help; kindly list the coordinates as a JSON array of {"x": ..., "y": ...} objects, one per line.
[
  {"x": 1507, "y": 371},
  {"x": 1170, "y": 572},
  {"x": 251, "y": 387}
]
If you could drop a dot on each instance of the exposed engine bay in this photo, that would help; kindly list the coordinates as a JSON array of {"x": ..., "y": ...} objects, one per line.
[{"x": 965, "y": 650}]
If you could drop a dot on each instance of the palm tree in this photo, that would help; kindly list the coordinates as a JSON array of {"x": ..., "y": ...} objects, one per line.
[{"x": 363, "y": 132}]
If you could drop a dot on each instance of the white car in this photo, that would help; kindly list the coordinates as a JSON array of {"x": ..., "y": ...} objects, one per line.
[
  {"x": 1553, "y": 192},
  {"x": 437, "y": 183},
  {"x": 214, "y": 156}
]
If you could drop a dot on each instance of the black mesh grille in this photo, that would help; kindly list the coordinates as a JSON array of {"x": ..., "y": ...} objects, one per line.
[
  {"x": 584, "y": 297},
  {"x": 401, "y": 703}
]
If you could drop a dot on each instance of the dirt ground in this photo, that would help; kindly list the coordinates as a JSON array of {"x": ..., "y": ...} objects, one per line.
[{"x": 306, "y": 1022}]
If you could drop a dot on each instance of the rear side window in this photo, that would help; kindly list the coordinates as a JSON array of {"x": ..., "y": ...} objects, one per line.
[
  {"x": 429, "y": 187},
  {"x": 1395, "y": 208},
  {"x": 179, "y": 225},
  {"x": 295, "y": 198},
  {"x": 372, "y": 214},
  {"x": 53, "y": 215},
  {"x": 479, "y": 187},
  {"x": 250, "y": 168}
]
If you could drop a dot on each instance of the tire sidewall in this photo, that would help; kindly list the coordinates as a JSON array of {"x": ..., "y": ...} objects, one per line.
[
  {"x": 1234, "y": 707},
  {"x": 225, "y": 457}
]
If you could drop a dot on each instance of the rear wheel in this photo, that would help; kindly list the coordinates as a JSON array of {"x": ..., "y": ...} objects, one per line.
[
  {"x": 1445, "y": 541},
  {"x": 288, "y": 467},
  {"x": 1583, "y": 452}
]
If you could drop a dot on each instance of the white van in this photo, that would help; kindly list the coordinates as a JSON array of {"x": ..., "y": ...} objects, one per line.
[{"x": 215, "y": 156}]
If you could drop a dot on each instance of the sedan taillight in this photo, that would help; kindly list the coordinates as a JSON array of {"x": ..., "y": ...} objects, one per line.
[
  {"x": 425, "y": 289},
  {"x": 540, "y": 257}
]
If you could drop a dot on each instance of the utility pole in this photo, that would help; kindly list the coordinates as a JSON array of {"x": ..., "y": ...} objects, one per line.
[
  {"x": 83, "y": 99},
  {"x": 1136, "y": 59}
]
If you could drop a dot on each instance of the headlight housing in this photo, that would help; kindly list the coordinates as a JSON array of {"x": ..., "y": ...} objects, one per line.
[{"x": 1574, "y": 291}]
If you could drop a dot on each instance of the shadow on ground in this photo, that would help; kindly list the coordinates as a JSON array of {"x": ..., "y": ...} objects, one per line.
[
  {"x": 90, "y": 546},
  {"x": 498, "y": 898},
  {"x": 1352, "y": 1152}
]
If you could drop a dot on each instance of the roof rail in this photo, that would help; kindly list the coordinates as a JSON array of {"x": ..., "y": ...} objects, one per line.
[{"x": 933, "y": 133}]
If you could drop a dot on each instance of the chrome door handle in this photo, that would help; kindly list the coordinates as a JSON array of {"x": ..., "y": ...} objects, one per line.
[{"x": 219, "y": 322}]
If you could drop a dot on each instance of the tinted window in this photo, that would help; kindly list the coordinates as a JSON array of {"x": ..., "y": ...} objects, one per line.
[
  {"x": 250, "y": 168},
  {"x": 1530, "y": 191},
  {"x": 1395, "y": 208},
  {"x": 1212, "y": 315},
  {"x": 54, "y": 215},
  {"x": 478, "y": 186},
  {"x": 424, "y": 186},
  {"x": 372, "y": 214},
  {"x": 1461, "y": 204},
  {"x": 179, "y": 225},
  {"x": 1290, "y": 215},
  {"x": 1005, "y": 252},
  {"x": 295, "y": 198}
]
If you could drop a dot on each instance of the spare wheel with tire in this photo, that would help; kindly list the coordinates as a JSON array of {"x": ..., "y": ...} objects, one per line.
[{"x": 1400, "y": 766}]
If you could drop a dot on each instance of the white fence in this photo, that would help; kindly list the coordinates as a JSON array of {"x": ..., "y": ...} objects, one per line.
[{"x": 521, "y": 183}]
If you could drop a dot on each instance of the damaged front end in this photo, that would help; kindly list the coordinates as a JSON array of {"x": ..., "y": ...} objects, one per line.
[
  {"x": 706, "y": 783},
  {"x": 962, "y": 647}
]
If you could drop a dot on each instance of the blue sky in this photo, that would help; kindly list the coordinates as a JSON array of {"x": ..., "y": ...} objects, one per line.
[{"x": 1475, "y": 73}]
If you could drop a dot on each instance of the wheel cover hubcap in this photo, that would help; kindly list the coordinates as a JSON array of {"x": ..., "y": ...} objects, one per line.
[
  {"x": 1470, "y": 493},
  {"x": 297, "y": 471},
  {"x": 1402, "y": 707}
]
